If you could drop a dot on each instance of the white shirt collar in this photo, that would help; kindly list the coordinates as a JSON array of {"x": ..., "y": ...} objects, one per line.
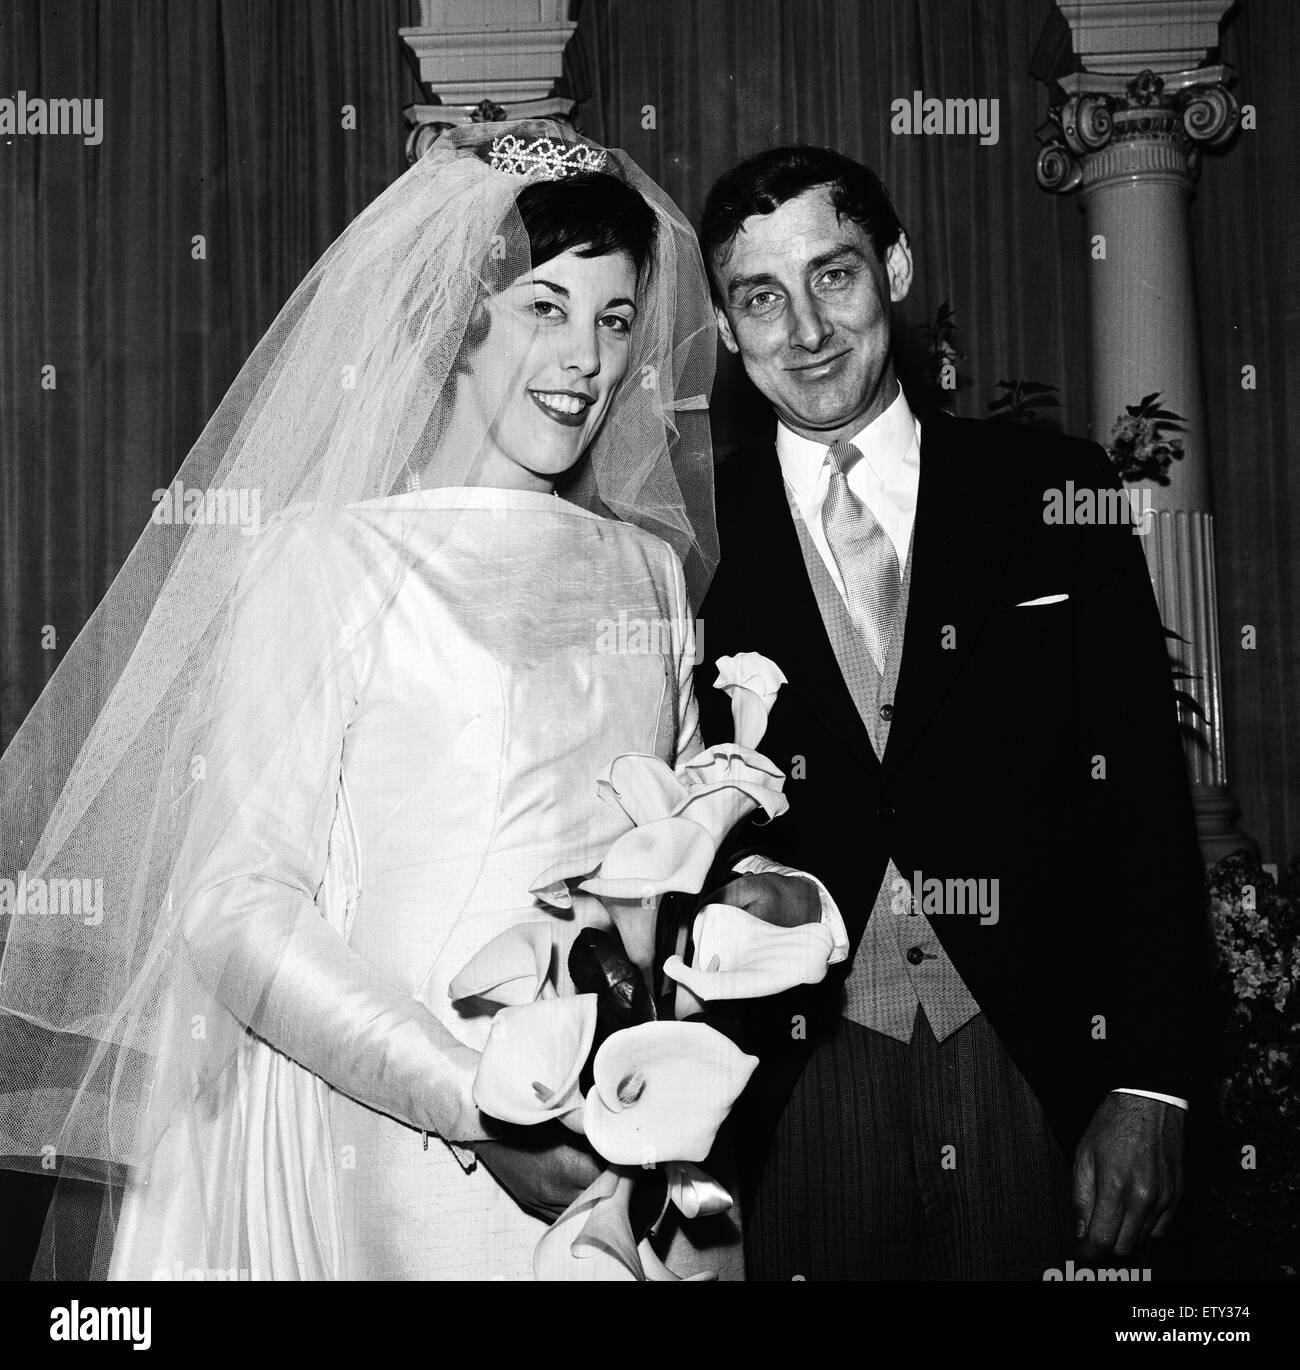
[{"x": 888, "y": 444}]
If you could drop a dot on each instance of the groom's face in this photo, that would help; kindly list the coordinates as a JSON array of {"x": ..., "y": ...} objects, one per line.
[{"x": 807, "y": 309}]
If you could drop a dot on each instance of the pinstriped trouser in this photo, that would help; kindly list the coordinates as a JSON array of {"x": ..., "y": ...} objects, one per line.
[{"x": 920, "y": 1160}]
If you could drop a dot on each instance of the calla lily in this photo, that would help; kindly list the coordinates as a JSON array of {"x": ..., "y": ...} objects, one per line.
[
  {"x": 730, "y": 761},
  {"x": 718, "y": 808},
  {"x": 661, "y": 1091},
  {"x": 592, "y": 1240},
  {"x": 751, "y": 681},
  {"x": 552, "y": 885},
  {"x": 666, "y": 854},
  {"x": 511, "y": 969},
  {"x": 642, "y": 787},
  {"x": 754, "y": 671},
  {"x": 738, "y": 956},
  {"x": 635, "y": 921},
  {"x": 644, "y": 864},
  {"x": 693, "y": 1192},
  {"x": 529, "y": 1069}
]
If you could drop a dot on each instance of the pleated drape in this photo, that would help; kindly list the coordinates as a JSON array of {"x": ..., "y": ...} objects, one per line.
[{"x": 144, "y": 269}]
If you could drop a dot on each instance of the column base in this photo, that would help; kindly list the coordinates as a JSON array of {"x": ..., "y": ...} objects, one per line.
[{"x": 1216, "y": 824}]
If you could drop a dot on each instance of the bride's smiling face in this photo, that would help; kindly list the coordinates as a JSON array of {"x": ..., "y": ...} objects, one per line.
[{"x": 557, "y": 347}]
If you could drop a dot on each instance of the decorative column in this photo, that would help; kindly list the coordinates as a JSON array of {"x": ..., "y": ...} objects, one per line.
[
  {"x": 485, "y": 60},
  {"x": 1127, "y": 133}
]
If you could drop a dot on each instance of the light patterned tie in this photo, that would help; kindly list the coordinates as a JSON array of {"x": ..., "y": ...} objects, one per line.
[{"x": 864, "y": 555}]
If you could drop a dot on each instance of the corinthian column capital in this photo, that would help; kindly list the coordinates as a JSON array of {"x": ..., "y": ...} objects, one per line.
[{"x": 1102, "y": 126}]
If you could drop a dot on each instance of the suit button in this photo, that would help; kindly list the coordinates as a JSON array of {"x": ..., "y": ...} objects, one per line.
[
  {"x": 915, "y": 956},
  {"x": 886, "y": 813},
  {"x": 887, "y": 712}
]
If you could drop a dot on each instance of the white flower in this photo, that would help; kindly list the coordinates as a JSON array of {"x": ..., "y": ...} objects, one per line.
[
  {"x": 661, "y": 1091},
  {"x": 600, "y": 1215},
  {"x": 529, "y": 1069},
  {"x": 666, "y": 854},
  {"x": 751, "y": 681},
  {"x": 738, "y": 956},
  {"x": 512, "y": 969},
  {"x": 681, "y": 821},
  {"x": 643, "y": 787},
  {"x": 694, "y": 1192},
  {"x": 593, "y": 1241},
  {"x": 718, "y": 808},
  {"x": 753, "y": 671},
  {"x": 732, "y": 762}
]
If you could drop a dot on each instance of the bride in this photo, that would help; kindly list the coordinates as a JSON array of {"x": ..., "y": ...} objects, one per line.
[{"x": 318, "y": 762}]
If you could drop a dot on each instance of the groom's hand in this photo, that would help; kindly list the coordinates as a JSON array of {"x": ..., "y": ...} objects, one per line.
[
  {"x": 1128, "y": 1174},
  {"x": 544, "y": 1168},
  {"x": 789, "y": 901}
]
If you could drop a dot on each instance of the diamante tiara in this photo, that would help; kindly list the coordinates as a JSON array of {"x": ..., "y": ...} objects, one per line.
[{"x": 545, "y": 158}]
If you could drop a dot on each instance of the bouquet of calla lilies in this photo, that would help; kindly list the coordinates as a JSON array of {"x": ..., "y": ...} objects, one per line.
[{"x": 649, "y": 1093}]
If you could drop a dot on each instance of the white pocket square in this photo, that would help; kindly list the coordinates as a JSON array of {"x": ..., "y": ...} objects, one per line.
[{"x": 1046, "y": 599}]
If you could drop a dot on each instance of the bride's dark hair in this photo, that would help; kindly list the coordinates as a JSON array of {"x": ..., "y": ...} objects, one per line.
[{"x": 592, "y": 213}]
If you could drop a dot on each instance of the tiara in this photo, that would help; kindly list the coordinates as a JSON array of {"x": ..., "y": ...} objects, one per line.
[{"x": 545, "y": 158}]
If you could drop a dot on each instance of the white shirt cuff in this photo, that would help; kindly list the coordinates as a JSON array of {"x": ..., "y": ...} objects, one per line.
[
  {"x": 1151, "y": 1094},
  {"x": 831, "y": 920}
]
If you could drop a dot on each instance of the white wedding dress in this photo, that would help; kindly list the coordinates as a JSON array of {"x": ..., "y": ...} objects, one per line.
[{"x": 458, "y": 652}]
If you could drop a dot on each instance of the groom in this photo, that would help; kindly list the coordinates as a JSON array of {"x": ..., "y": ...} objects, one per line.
[{"x": 985, "y": 773}]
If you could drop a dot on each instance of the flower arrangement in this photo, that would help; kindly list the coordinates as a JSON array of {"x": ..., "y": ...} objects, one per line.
[
  {"x": 1145, "y": 442},
  {"x": 1256, "y": 927},
  {"x": 648, "y": 1092}
]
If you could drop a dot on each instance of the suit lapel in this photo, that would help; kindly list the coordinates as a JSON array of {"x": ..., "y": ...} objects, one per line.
[{"x": 959, "y": 546}]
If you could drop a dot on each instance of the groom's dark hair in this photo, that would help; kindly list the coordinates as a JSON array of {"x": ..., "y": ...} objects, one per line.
[{"x": 764, "y": 182}]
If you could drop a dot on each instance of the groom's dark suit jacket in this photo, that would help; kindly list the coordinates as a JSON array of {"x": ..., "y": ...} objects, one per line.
[{"x": 1037, "y": 746}]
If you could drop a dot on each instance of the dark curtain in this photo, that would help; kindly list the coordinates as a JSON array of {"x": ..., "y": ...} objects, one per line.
[
  {"x": 689, "y": 87},
  {"x": 1246, "y": 234},
  {"x": 222, "y": 119}
]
